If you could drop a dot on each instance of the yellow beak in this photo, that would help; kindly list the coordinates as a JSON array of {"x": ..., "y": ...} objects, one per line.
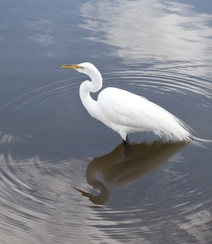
[{"x": 69, "y": 66}]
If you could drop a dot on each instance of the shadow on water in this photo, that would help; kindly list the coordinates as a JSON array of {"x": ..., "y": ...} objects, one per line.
[{"x": 124, "y": 166}]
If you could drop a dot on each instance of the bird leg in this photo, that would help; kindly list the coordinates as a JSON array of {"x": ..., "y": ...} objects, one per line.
[
  {"x": 126, "y": 147},
  {"x": 126, "y": 141}
]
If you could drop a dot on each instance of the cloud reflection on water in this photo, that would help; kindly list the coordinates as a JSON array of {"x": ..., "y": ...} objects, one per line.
[{"x": 150, "y": 29}]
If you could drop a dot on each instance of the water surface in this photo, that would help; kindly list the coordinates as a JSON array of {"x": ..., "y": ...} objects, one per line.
[{"x": 65, "y": 177}]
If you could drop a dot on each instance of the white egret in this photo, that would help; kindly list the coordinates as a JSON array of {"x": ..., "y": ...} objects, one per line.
[{"x": 125, "y": 112}]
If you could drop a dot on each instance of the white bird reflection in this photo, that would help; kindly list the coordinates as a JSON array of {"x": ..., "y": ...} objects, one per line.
[{"x": 120, "y": 169}]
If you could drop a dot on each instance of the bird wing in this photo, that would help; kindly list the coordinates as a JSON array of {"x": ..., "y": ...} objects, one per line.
[
  {"x": 127, "y": 109},
  {"x": 124, "y": 108}
]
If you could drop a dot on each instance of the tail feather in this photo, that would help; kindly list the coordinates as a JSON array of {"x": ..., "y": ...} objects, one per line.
[{"x": 200, "y": 142}]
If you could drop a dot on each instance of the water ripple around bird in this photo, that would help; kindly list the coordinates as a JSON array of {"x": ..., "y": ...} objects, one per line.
[{"x": 50, "y": 167}]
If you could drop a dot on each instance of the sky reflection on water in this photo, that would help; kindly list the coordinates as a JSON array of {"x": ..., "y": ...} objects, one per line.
[
  {"x": 158, "y": 49},
  {"x": 146, "y": 31}
]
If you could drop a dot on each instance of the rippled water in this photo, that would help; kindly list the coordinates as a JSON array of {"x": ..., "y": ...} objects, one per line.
[{"x": 65, "y": 177}]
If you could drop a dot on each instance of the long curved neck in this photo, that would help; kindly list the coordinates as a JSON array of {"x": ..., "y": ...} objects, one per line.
[{"x": 90, "y": 86}]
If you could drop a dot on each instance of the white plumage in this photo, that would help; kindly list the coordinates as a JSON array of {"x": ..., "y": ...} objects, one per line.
[{"x": 125, "y": 112}]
